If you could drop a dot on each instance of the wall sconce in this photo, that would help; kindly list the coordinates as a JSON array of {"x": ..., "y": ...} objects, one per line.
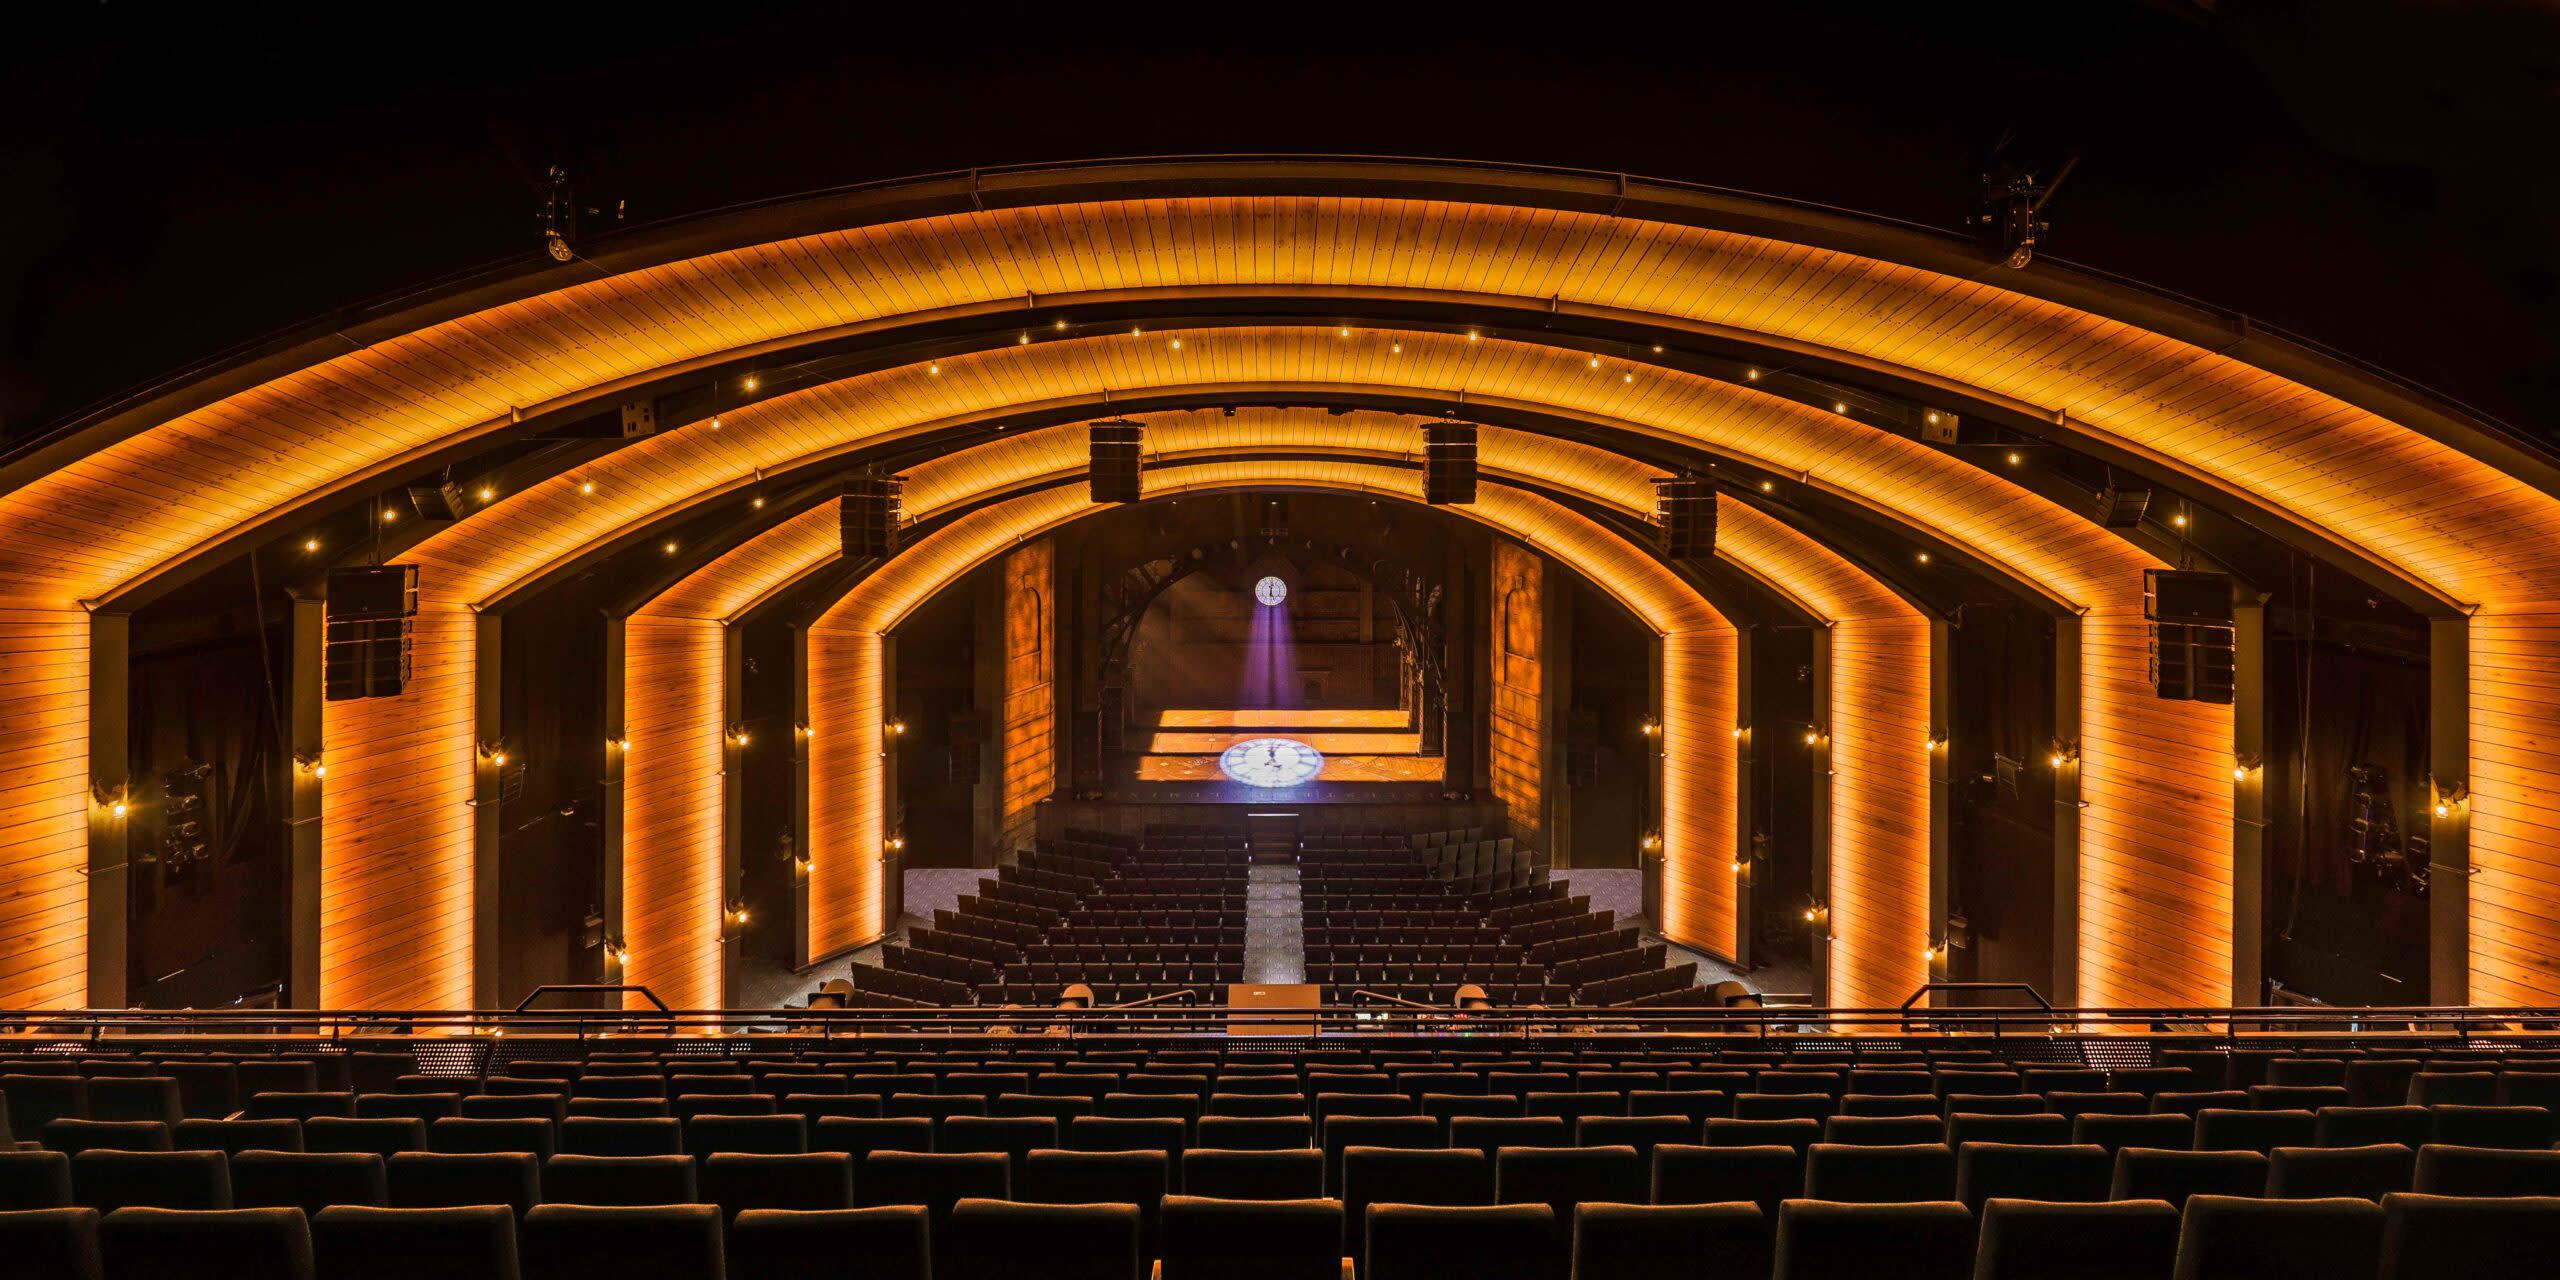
[
  {"x": 1933, "y": 951},
  {"x": 617, "y": 744},
  {"x": 737, "y": 735},
  {"x": 115, "y": 800},
  {"x": 735, "y": 914},
  {"x": 1937, "y": 742},
  {"x": 312, "y": 765},
  {"x": 2244, "y": 768},
  {"x": 495, "y": 753},
  {"x": 2452, "y": 795},
  {"x": 897, "y": 843},
  {"x": 1652, "y": 841},
  {"x": 897, "y": 728},
  {"x": 1652, "y": 727},
  {"x": 619, "y": 950},
  {"x": 1817, "y": 914},
  {"x": 2062, "y": 754},
  {"x": 803, "y": 730},
  {"x": 802, "y": 865}
]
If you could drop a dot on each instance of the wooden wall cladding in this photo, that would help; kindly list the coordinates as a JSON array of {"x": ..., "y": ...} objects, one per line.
[
  {"x": 44, "y": 808},
  {"x": 673, "y": 707},
  {"x": 1516, "y": 603},
  {"x": 1878, "y": 755},
  {"x": 99, "y": 525},
  {"x": 1699, "y": 711},
  {"x": 1030, "y": 688},
  {"x": 2514, "y": 807}
]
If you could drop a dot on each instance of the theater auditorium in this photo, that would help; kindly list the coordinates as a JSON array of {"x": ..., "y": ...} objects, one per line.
[{"x": 1277, "y": 717}]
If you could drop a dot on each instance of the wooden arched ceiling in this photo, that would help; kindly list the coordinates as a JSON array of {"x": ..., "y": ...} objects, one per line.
[
  {"x": 844, "y": 670},
  {"x": 100, "y": 522}
]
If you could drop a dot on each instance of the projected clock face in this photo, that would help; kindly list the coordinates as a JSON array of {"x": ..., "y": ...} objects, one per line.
[
  {"x": 1270, "y": 762},
  {"x": 1271, "y": 591}
]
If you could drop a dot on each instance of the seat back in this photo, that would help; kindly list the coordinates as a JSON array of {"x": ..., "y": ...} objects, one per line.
[
  {"x": 1000, "y": 1240},
  {"x": 1613, "y": 1241},
  {"x": 566, "y": 1241},
  {"x": 273, "y": 1244},
  {"x": 619, "y": 1180},
  {"x": 438, "y": 1180},
  {"x": 2429, "y": 1236},
  {"x": 1922, "y": 1240},
  {"x": 307, "y": 1181},
  {"x": 358, "y": 1242},
  {"x": 2146, "y": 1173},
  {"x": 1253, "y": 1175},
  {"x": 2031, "y": 1171},
  {"x": 2030, "y": 1238},
  {"x": 2367, "y": 1172},
  {"x": 1487, "y": 1242},
  {"x": 1204, "y": 1238},
  {"x": 790, "y": 1244},
  {"x": 2240, "y": 1237},
  {"x": 111, "y": 1180},
  {"x": 60, "y": 1243},
  {"x": 1897, "y": 1174},
  {"x": 382, "y": 1136}
]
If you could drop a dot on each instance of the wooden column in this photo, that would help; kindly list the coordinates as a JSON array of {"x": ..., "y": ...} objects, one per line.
[
  {"x": 733, "y": 807},
  {"x": 987, "y": 648},
  {"x": 1942, "y": 786},
  {"x": 1555, "y": 675},
  {"x": 488, "y": 926},
  {"x": 305, "y": 691},
  {"x": 893, "y": 815},
  {"x": 2065, "y": 991},
  {"x": 1820, "y": 854},
  {"x": 2248, "y": 797},
  {"x": 798, "y": 956},
  {"x": 616, "y": 731},
  {"x": 2449, "y": 835},
  {"x": 110, "y": 832},
  {"x": 1746, "y": 796}
]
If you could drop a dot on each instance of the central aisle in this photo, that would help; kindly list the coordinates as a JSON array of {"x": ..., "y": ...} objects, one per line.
[{"x": 1275, "y": 926}]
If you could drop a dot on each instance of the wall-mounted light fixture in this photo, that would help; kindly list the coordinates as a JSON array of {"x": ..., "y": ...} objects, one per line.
[
  {"x": 2062, "y": 754},
  {"x": 2452, "y": 795}
]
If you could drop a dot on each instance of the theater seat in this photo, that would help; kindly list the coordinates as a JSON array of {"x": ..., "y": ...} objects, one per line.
[
  {"x": 737, "y": 1181},
  {"x": 2242, "y": 1238},
  {"x": 2313, "y": 1173},
  {"x": 1827, "y": 1240},
  {"x": 1489, "y": 1134},
  {"x": 1344, "y": 1132},
  {"x": 1141, "y": 1178},
  {"x": 579, "y": 1242},
  {"x": 439, "y": 1180},
  {"x": 2486, "y": 1171},
  {"x": 1880, "y": 1175},
  {"x": 307, "y": 1181},
  {"x": 2145, "y": 1173},
  {"x": 34, "y": 1180},
  {"x": 787, "y": 1244},
  {"x": 602, "y": 1136},
  {"x": 381, "y": 1136},
  {"x": 60, "y": 1244},
  {"x": 1764, "y": 1176},
  {"x": 1433, "y": 1242},
  {"x": 2452, "y": 1088},
  {"x": 2031, "y": 1239},
  {"x": 1204, "y": 1238},
  {"x": 1643, "y": 1133},
  {"x": 1799, "y": 1134},
  {"x": 1253, "y": 1175},
  {"x": 1390, "y": 1175},
  {"x": 2428, "y": 1237},
  {"x": 357, "y": 1242},
  {"x": 1562, "y": 1177},
  {"x": 619, "y": 1180},
  {"x": 999, "y": 1240},
  {"x": 1884, "y": 1131},
  {"x": 935, "y": 1181},
  {"x": 2515, "y": 1128},
  {"x": 470, "y": 1136},
  {"x": 71, "y": 1137},
  {"x": 272, "y": 1244},
  {"x": 2164, "y": 1132},
  {"x": 111, "y": 1180},
  {"x": 859, "y": 1138},
  {"x": 2032, "y": 1171},
  {"x": 1255, "y": 1133},
  {"x": 2227, "y": 1129},
  {"x": 1633, "y": 1241},
  {"x": 2365, "y": 1126}
]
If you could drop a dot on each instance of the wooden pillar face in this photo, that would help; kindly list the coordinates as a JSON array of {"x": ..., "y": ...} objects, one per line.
[
  {"x": 893, "y": 816},
  {"x": 733, "y": 806},
  {"x": 113, "y": 800},
  {"x": 1942, "y": 788},
  {"x": 2449, "y": 783},
  {"x": 2248, "y": 799},
  {"x": 617, "y": 730},
  {"x": 2065, "y": 763},
  {"x": 1748, "y": 866},
  {"x": 305, "y": 691},
  {"x": 1818, "y": 747},
  {"x": 798, "y": 826},
  {"x": 488, "y": 925},
  {"x": 1556, "y": 659},
  {"x": 987, "y": 649}
]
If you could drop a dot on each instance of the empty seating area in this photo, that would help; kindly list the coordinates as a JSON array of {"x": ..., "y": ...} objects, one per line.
[
  {"x": 1415, "y": 918},
  {"x": 959, "y": 1156}
]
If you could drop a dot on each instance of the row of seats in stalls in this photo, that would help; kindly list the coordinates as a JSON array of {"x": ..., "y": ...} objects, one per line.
[
  {"x": 1195, "y": 887},
  {"x": 1520, "y": 1213}
]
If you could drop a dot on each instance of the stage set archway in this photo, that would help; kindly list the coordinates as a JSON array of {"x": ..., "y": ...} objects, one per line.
[{"x": 106, "y": 512}]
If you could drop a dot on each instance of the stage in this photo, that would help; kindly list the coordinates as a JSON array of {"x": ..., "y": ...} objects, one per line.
[{"x": 1367, "y": 755}]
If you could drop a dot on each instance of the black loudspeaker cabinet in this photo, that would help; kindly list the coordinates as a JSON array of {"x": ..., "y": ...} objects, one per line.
[
  {"x": 1684, "y": 513},
  {"x": 365, "y": 639},
  {"x": 1113, "y": 464},
  {"x": 2193, "y": 646},
  {"x": 1448, "y": 463},
  {"x": 869, "y": 513}
]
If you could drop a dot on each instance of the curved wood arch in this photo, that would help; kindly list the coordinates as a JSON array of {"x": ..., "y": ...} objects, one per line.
[{"x": 2477, "y": 533}]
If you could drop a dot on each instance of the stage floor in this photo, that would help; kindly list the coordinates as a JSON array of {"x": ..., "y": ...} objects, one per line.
[{"x": 1362, "y": 749}]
